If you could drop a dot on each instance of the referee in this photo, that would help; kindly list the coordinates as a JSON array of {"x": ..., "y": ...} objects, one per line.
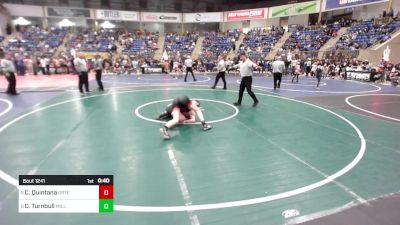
[
  {"x": 81, "y": 68},
  {"x": 278, "y": 66},
  {"x": 98, "y": 67},
  {"x": 246, "y": 67},
  {"x": 7, "y": 66},
  {"x": 221, "y": 72},
  {"x": 189, "y": 68}
]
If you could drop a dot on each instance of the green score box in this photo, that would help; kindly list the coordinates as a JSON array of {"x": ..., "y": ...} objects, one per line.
[{"x": 106, "y": 205}]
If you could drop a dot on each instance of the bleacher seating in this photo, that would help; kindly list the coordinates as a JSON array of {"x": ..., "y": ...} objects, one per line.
[
  {"x": 215, "y": 44},
  {"x": 366, "y": 33},
  {"x": 175, "y": 43},
  {"x": 35, "y": 42},
  {"x": 86, "y": 40},
  {"x": 139, "y": 44},
  {"x": 311, "y": 39},
  {"x": 259, "y": 42}
]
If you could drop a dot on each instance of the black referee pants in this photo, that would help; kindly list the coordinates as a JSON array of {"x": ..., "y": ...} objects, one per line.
[
  {"x": 12, "y": 83},
  {"x": 222, "y": 76},
  {"x": 83, "y": 80},
  {"x": 189, "y": 69},
  {"x": 246, "y": 83},
  {"x": 98, "y": 79},
  {"x": 277, "y": 80}
]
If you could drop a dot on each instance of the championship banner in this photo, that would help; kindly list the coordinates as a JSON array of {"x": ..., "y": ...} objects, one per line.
[
  {"x": 294, "y": 9},
  {"x": 248, "y": 14},
  {"x": 117, "y": 15},
  {"x": 335, "y": 4}
]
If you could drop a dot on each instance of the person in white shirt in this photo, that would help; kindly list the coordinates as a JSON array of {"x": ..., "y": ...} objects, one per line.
[
  {"x": 278, "y": 67},
  {"x": 246, "y": 67},
  {"x": 189, "y": 68},
  {"x": 135, "y": 64},
  {"x": 81, "y": 68},
  {"x": 296, "y": 70},
  {"x": 98, "y": 67},
  {"x": 308, "y": 66},
  {"x": 7, "y": 66},
  {"x": 221, "y": 72}
]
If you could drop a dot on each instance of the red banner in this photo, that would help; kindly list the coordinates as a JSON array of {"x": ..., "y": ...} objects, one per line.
[{"x": 245, "y": 14}]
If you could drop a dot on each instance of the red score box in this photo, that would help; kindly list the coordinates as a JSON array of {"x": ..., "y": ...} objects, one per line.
[{"x": 106, "y": 192}]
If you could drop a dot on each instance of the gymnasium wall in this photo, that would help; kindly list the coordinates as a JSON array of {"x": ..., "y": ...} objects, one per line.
[
  {"x": 300, "y": 19},
  {"x": 3, "y": 24}
]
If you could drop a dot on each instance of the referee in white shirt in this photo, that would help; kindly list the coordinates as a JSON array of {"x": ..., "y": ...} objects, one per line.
[
  {"x": 221, "y": 72},
  {"x": 278, "y": 66},
  {"x": 246, "y": 67},
  {"x": 189, "y": 68},
  {"x": 98, "y": 67},
  {"x": 7, "y": 66},
  {"x": 81, "y": 68}
]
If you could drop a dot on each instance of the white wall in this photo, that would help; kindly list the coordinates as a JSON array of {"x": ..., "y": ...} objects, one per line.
[
  {"x": 154, "y": 27},
  {"x": 258, "y": 23},
  {"x": 24, "y": 10},
  {"x": 53, "y": 22},
  {"x": 300, "y": 19},
  {"x": 274, "y": 21},
  {"x": 3, "y": 24},
  {"x": 369, "y": 11},
  {"x": 172, "y": 27},
  {"x": 232, "y": 25}
]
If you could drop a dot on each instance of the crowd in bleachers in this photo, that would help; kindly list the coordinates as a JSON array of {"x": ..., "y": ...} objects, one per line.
[
  {"x": 139, "y": 44},
  {"x": 176, "y": 44},
  {"x": 366, "y": 33},
  {"x": 310, "y": 38},
  {"x": 87, "y": 40},
  {"x": 258, "y": 42},
  {"x": 216, "y": 43},
  {"x": 36, "y": 42}
]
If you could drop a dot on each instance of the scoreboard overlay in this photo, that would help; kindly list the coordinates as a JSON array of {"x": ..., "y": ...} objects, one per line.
[{"x": 66, "y": 193}]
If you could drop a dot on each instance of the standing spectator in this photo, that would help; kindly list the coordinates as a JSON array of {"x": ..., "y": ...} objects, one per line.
[
  {"x": 29, "y": 65},
  {"x": 278, "y": 67},
  {"x": 81, "y": 68},
  {"x": 171, "y": 65},
  {"x": 98, "y": 67},
  {"x": 246, "y": 67},
  {"x": 47, "y": 64},
  {"x": 221, "y": 71},
  {"x": 9, "y": 29},
  {"x": 318, "y": 73},
  {"x": 296, "y": 70},
  {"x": 20, "y": 66},
  {"x": 42, "y": 66},
  {"x": 8, "y": 67}
]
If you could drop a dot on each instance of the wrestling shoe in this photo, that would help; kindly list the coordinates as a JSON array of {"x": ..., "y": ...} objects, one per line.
[
  {"x": 164, "y": 133},
  {"x": 206, "y": 127}
]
